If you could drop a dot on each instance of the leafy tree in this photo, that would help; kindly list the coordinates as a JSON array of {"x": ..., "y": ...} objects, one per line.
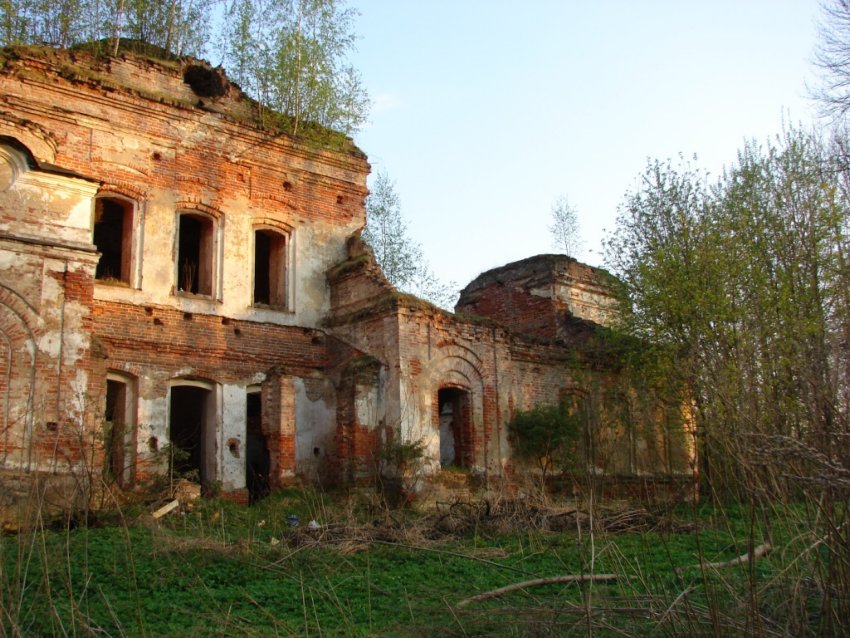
[
  {"x": 744, "y": 284},
  {"x": 545, "y": 435},
  {"x": 292, "y": 55},
  {"x": 386, "y": 233},
  {"x": 745, "y": 281},
  {"x": 400, "y": 257},
  {"x": 565, "y": 231}
]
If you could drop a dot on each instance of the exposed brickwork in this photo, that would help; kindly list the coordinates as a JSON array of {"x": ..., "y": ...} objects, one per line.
[
  {"x": 344, "y": 365},
  {"x": 546, "y": 296},
  {"x": 215, "y": 347},
  {"x": 499, "y": 370}
]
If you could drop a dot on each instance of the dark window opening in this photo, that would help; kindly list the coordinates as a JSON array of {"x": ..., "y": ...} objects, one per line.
[
  {"x": 270, "y": 268},
  {"x": 118, "y": 433},
  {"x": 455, "y": 427},
  {"x": 113, "y": 233},
  {"x": 258, "y": 461},
  {"x": 191, "y": 434},
  {"x": 195, "y": 255}
]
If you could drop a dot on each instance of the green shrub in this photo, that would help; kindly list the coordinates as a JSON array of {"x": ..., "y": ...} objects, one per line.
[{"x": 545, "y": 435}]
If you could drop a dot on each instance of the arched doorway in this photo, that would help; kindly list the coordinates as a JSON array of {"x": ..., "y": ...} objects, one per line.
[
  {"x": 456, "y": 444},
  {"x": 191, "y": 431}
]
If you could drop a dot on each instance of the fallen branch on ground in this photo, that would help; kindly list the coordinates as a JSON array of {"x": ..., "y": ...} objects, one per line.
[
  {"x": 572, "y": 578},
  {"x": 758, "y": 552}
]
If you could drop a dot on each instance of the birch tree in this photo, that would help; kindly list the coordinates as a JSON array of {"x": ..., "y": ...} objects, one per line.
[
  {"x": 400, "y": 257},
  {"x": 566, "y": 235}
]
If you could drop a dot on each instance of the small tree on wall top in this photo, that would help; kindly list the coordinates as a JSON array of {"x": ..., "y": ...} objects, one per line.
[
  {"x": 566, "y": 234},
  {"x": 545, "y": 435}
]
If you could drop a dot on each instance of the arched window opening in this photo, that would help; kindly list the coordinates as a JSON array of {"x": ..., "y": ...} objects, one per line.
[
  {"x": 454, "y": 408},
  {"x": 113, "y": 237},
  {"x": 195, "y": 254},
  {"x": 270, "y": 271}
]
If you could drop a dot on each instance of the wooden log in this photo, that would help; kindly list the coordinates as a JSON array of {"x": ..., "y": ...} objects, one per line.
[{"x": 165, "y": 509}]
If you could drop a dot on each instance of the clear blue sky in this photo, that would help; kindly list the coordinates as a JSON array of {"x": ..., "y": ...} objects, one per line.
[{"x": 485, "y": 111}]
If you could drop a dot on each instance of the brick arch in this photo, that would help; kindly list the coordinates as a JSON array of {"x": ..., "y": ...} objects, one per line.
[
  {"x": 191, "y": 205},
  {"x": 457, "y": 367},
  {"x": 452, "y": 369},
  {"x": 271, "y": 223},
  {"x": 18, "y": 353},
  {"x": 460, "y": 351},
  {"x": 122, "y": 189},
  {"x": 37, "y": 140}
]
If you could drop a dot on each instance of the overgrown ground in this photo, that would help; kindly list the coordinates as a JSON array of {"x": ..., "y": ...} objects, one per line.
[{"x": 224, "y": 570}]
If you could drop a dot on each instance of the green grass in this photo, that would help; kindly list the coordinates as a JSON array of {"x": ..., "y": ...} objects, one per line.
[{"x": 224, "y": 570}]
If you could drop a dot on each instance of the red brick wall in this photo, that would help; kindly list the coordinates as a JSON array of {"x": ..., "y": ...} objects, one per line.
[
  {"x": 215, "y": 347},
  {"x": 515, "y": 309},
  {"x": 214, "y": 156}
]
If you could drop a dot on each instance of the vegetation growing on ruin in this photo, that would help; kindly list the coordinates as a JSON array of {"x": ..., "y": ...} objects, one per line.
[
  {"x": 290, "y": 56},
  {"x": 85, "y": 65},
  {"x": 222, "y": 570},
  {"x": 545, "y": 435}
]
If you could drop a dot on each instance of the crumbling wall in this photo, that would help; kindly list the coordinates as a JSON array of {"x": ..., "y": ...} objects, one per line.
[
  {"x": 487, "y": 373},
  {"x": 47, "y": 422},
  {"x": 132, "y": 133},
  {"x": 536, "y": 295}
]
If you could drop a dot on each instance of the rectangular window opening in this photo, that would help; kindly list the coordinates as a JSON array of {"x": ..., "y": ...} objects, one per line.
[
  {"x": 113, "y": 237},
  {"x": 270, "y": 268},
  {"x": 195, "y": 255}
]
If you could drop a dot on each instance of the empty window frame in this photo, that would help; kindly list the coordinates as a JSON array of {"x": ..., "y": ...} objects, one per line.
[
  {"x": 195, "y": 253},
  {"x": 113, "y": 237},
  {"x": 271, "y": 250}
]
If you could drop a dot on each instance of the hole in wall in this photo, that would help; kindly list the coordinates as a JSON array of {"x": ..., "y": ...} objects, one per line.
[{"x": 204, "y": 82}]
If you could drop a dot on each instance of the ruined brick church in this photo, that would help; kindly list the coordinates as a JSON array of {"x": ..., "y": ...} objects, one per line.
[{"x": 183, "y": 286}]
